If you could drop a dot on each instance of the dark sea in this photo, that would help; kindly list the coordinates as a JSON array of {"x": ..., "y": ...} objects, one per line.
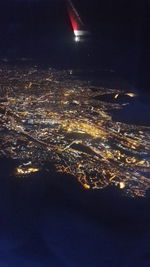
[{"x": 50, "y": 220}]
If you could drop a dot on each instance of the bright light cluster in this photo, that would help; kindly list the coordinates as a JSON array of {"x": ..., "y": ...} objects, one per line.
[
  {"x": 24, "y": 170},
  {"x": 52, "y": 117}
]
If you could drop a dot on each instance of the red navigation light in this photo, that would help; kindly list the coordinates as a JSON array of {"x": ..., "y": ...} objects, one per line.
[{"x": 73, "y": 22}]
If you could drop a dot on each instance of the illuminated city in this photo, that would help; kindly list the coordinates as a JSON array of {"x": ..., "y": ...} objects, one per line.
[{"x": 49, "y": 115}]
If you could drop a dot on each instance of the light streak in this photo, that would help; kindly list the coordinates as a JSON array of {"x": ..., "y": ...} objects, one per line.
[
  {"x": 130, "y": 94},
  {"x": 116, "y": 96},
  {"x": 76, "y": 22},
  {"x": 25, "y": 171},
  {"x": 74, "y": 16}
]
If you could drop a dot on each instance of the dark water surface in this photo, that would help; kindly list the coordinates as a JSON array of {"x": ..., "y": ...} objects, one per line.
[{"x": 49, "y": 220}]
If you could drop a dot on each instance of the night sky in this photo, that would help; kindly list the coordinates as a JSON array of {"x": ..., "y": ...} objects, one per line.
[{"x": 41, "y": 29}]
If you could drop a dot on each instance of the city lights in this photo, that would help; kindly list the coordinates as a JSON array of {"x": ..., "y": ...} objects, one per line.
[{"x": 48, "y": 115}]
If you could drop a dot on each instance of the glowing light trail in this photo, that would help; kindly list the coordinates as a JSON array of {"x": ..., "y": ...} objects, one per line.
[{"x": 77, "y": 24}]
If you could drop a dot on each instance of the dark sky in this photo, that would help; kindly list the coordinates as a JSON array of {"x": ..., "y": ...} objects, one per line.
[
  {"x": 52, "y": 14},
  {"x": 45, "y": 24}
]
